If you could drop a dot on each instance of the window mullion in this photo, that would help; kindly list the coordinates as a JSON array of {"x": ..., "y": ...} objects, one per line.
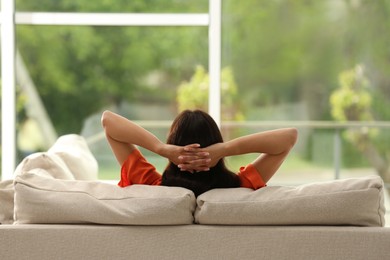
[
  {"x": 215, "y": 60},
  {"x": 8, "y": 111}
]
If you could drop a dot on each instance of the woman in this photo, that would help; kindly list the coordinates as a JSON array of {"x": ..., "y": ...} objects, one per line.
[{"x": 196, "y": 151}]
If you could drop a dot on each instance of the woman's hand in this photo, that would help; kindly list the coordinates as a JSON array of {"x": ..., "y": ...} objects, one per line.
[
  {"x": 188, "y": 158},
  {"x": 201, "y": 159},
  {"x": 215, "y": 152}
]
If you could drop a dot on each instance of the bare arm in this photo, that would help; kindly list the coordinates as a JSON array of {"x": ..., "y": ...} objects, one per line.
[
  {"x": 123, "y": 134},
  {"x": 273, "y": 146}
]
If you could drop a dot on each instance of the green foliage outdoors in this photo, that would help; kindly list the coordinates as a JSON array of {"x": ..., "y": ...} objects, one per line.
[
  {"x": 79, "y": 70},
  {"x": 276, "y": 53},
  {"x": 194, "y": 94},
  {"x": 353, "y": 102},
  {"x": 279, "y": 51}
]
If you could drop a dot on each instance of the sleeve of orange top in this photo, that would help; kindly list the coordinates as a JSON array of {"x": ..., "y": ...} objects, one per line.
[
  {"x": 250, "y": 177},
  {"x": 137, "y": 170}
]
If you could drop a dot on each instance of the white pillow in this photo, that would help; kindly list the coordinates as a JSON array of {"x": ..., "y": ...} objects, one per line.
[
  {"x": 52, "y": 163},
  {"x": 48, "y": 164},
  {"x": 74, "y": 151},
  {"x": 6, "y": 202},
  {"x": 39, "y": 199},
  {"x": 357, "y": 201}
]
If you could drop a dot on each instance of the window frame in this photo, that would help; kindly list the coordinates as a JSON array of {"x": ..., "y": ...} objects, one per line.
[{"x": 9, "y": 18}]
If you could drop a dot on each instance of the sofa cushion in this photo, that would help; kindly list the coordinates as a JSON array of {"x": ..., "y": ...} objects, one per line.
[
  {"x": 74, "y": 151},
  {"x": 43, "y": 163},
  {"x": 52, "y": 163},
  {"x": 357, "y": 201},
  {"x": 6, "y": 202},
  {"x": 39, "y": 199}
]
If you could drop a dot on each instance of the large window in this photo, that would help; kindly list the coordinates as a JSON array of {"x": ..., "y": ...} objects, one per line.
[
  {"x": 75, "y": 59},
  {"x": 254, "y": 65},
  {"x": 131, "y": 70},
  {"x": 321, "y": 66}
]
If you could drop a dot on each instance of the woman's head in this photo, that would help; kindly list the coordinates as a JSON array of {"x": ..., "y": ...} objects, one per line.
[
  {"x": 194, "y": 127},
  {"x": 191, "y": 127}
]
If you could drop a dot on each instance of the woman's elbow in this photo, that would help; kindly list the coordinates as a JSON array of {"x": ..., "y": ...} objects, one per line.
[
  {"x": 292, "y": 135},
  {"x": 105, "y": 119}
]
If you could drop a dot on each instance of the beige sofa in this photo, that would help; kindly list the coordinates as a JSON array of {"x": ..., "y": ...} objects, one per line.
[
  {"x": 56, "y": 209},
  {"x": 193, "y": 242}
]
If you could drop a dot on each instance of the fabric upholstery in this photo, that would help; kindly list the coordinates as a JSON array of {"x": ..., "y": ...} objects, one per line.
[
  {"x": 193, "y": 242},
  {"x": 74, "y": 151},
  {"x": 6, "y": 202},
  {"x": 39, "y": 199},
  {"x": 49, "y": 164},
  {"x": 52, "y": 163},
  {"x": 357, "y": 201}
]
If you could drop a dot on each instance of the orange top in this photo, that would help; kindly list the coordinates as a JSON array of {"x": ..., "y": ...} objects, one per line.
[{"x": 137, "y": 170}]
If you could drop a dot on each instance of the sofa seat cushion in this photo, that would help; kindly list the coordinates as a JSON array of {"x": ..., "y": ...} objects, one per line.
[
  {"x": 357, "y": 201},
  {"x": 40, "y": 199}
]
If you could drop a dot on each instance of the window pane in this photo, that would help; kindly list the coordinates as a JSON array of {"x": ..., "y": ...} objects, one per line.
[
  {"x": 80, "y": 71},
  {"x": 312, "y": 60},
  {"x": 139, "y": 6}
]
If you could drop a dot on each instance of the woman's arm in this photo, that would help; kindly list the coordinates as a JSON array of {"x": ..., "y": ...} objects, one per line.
[
  {"x": 273, "y": 145},
  {"x": 123, "y": 134}
]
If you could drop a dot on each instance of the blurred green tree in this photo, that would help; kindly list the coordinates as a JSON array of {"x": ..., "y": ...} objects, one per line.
[
  {"x": 280, "y": 52},
  {"x": 193, "y": 94},
  {"x": 292, "y": 51},
  {"x": 80, "y": 69},
  {"x": 353, "y": 102}
]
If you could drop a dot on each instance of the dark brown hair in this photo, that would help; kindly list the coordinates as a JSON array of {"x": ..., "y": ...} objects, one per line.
[{"x": 197, "y": 127}]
